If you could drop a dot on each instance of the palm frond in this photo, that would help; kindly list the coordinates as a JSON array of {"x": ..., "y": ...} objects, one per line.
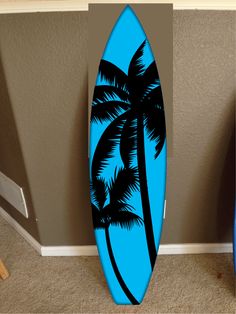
[
  {"x": 107, "y": 111},
  {"x": 112, "y": 74},
  {"x": 154, "y": 121},
  {"x": 151, "y": 75},
  {"x": 98, "y": 221},
  {"x": 99, "y": 192},
  {"x": 109, "y": 209},
  {"x": 124, "y": 183},
  {"x": 137, "y": 66},
  {"x": 105, "y": 93},
  {"x": 154, "y": 118},
  {"x": 128, "y": 141},
  {"x": 125, "y": 219},
  {"x": 153, "y": 98},
  {"x": 150, "y": 80},
  {"x": 135, "y": 75},
  {"x": 107, "y": 144}
]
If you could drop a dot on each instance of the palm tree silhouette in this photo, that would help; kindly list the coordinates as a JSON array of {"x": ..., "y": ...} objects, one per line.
[
  {"x": 133, "y": 104},
  {"x": 117, "y": 212}
]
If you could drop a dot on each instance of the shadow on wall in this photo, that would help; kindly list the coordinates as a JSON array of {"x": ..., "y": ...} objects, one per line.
[
  {"x": 226, "y": 194},
  {"x": 78, "y": 174},
  {"x": 226, "y": 201},
  {"x": 11, "y": 158}
]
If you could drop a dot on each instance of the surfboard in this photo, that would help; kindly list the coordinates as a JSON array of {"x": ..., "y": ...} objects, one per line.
[{"x": 127, "y": 160}]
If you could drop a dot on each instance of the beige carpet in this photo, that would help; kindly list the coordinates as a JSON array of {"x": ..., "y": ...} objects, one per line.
[{"x": 180, "y": 284}]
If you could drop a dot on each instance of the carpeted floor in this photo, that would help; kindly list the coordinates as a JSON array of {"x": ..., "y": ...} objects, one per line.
[{"x": 180, "y": 284}]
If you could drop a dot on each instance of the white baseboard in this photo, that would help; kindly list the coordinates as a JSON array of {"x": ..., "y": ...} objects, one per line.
[
  {"x": 77, "y": 250},
  {"x": 91, "y": 250},
  {"x": 195, "y": 248},
  {"x": 164, "y": 249}
]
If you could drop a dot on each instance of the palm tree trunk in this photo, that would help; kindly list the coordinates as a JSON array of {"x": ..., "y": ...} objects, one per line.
[
  {"x": 116, "y": 270},
  {"x": 144, "y": 191}
]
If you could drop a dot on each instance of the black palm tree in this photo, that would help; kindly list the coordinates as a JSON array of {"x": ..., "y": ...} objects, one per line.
[
  {"x": 132, "y": 103},
  {"x": 117, "y": 212}
]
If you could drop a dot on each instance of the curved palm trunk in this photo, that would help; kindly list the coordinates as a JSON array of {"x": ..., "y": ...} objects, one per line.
[
  {"x": 144, "y": 190},
  {"x": 116, "y": 270}
]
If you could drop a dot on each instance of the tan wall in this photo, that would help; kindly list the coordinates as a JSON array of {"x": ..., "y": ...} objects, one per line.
[
  {"x": 45, "y": 63},
  {"x": 201, "y": 173},
  {"x": 11, "y": 158},
  {"x": 44, "y": 58}
]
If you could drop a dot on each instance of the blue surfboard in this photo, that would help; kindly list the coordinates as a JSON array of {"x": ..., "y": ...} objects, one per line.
[{"x": 127, "y": 160}]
